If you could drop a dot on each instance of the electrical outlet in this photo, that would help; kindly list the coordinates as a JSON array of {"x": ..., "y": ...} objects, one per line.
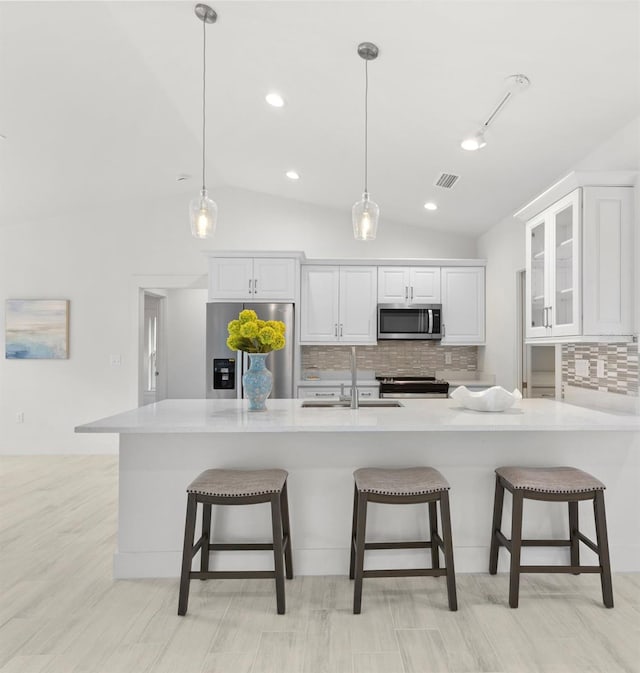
[
  {"x": 20, "y": 417},
  {"x": 115, "y": 360},
  {"x": 447, "y": 358},
  {"x": 601, "y": 371},
  {"x": 582, "y": 368}
]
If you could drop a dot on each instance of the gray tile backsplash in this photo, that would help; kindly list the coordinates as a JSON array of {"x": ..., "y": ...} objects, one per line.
[
  {"x": 408, "y": 358},
  {"x": 620, "y": 367}
]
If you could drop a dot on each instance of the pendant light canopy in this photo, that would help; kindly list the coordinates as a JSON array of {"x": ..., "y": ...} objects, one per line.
[
  {"x": 203, "y": 212},
  {"x": 365, "y": 213}
]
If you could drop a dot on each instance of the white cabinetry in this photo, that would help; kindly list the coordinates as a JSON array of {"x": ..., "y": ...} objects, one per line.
[
  {"x": 579, "y": 267},
  {"x": 255, "y": 279},
  {"x": 463, "y": 290},
  {"x": 408, "y": 285},
  {"x": 338, "y": 304}
]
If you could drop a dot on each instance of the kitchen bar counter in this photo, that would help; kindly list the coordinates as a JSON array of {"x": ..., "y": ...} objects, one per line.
[
  {"x": 285, "y": 416},
  {"x": 164, "y": 446}
]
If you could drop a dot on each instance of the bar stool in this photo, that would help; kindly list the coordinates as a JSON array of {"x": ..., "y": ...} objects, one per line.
[
  {"x": 402, "y": 487},
  {"x": 236, "y": 487},
  {"x": 556, "y": 484}
]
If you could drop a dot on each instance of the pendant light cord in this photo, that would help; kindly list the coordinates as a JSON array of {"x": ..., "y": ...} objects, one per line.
[
  {"x": 366, "y": 123},
  {"x": 204, "y": 97}
]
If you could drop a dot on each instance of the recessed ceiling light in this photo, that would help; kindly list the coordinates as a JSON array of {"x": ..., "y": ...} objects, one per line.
[
  {"x": 430, "y": 205},
  {"x": 274, "y": 99},
  {"x": 293, "y": 175}
]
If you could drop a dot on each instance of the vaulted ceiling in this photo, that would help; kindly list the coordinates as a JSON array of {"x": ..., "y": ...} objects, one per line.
[{"x": 101, "y": 101}]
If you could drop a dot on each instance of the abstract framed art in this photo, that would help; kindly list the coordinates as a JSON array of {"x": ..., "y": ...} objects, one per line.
[{"x": 37, "y": 329}]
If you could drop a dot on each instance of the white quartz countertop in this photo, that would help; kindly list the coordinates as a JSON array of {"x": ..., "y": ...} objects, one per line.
[{"x": 431, "y": 415}]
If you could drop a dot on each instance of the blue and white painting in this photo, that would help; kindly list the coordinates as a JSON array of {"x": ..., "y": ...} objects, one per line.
[{"x": 37, "y": 329}]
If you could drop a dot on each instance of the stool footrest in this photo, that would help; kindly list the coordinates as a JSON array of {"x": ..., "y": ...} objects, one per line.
[
  {"x": 237, "y": 546},
  {"x": 573, "y": 570},
  {"x": 406, "y": 572},
  {"x": 231, "y": 574},
  {"x": 418, "y": 544}
]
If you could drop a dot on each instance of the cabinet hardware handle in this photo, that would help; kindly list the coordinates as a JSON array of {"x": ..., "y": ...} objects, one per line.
[
  {"x": 412, "y": 293},
  {"x": 325, "y": 394},
  {"x": 255, "y": 286},
  {"x": 549, "y": 318},
  {"x": 444, "y": 331},
  {"x": 340, "y": 329},
  {"x": 249, "y": 285},
  {"x": 335, "y": 329},
  {"x": 406, "y": 292},
  {"x": 365, "y": 394}
]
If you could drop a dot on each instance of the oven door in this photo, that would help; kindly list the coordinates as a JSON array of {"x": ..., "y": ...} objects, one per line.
[
  {"x": 421, "y": 321},
  {"x": 415, "y": 396}
]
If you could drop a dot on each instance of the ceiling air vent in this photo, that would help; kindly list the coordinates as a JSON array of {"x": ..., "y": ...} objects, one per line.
[{"x": 446, "y": 180}]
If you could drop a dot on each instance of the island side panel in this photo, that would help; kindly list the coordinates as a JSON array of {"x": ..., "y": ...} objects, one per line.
[{"x": 155, "y": 470}]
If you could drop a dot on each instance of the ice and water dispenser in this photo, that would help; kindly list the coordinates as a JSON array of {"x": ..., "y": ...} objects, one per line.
[{"x": 224, "y": 373}]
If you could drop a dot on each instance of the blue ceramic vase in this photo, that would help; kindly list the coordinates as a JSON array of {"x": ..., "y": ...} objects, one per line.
[{"x": 257, "y": 382}]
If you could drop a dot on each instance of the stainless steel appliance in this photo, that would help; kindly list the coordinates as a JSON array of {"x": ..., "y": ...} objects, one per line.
[
  {"x": 420, "y": 321},
  {"x": 225, "y": 367},
  {"x": 412, "y": 386}
]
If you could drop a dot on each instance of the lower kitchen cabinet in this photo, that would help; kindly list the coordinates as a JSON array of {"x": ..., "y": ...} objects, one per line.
[
  {"x": 333, "y": 392},
  {"x": 463, "y": 305}
]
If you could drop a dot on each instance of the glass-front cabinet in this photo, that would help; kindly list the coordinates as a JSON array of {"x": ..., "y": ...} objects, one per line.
[{"x": 553, "y": 270}]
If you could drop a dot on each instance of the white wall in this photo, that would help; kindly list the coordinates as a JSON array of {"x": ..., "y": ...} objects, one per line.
[
  {"x": 93, "y": 259},
  {"x": 503, "y": 248}
]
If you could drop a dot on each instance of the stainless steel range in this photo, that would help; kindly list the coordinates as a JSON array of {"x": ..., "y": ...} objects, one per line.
[{"x": 412, "y": 386}]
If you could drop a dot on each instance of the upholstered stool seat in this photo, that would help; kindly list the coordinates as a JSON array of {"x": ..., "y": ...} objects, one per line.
[
  {"x": 402, "y": 487},
  {"x": 555, "y": 484},
  {"x": 236, "y": 487}
]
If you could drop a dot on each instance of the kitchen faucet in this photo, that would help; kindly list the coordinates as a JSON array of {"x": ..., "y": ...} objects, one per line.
[{"x": 354, "y": 379}]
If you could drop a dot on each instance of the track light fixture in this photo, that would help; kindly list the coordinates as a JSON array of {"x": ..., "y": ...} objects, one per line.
[{"x": 476, "y": 140}]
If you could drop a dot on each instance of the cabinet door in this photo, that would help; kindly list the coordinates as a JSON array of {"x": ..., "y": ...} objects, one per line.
[
  {"x": 319, "y": 304},
  {"x": 230, "y": 278},
  {"x": 273, "y": 279},
  {"x": 563, "y": 220},
  {"x": 358, "y": 292},
  {"x": 463, "y": 305},
  {"x": 393, "y": 284},
  {"x": 536, "y": 291},
  {"x": 424, "y": 286},
  {"x": 607, "y": 244}
]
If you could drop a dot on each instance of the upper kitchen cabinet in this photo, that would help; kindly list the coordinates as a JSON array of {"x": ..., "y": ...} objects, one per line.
[
  {"x": 338, "y": 304},
  {"x": 252, "y": 278},
  {"x": 463, "y": 302},
  {"x": 408, "y": 285},
  {"x": 579, "y": 263}
]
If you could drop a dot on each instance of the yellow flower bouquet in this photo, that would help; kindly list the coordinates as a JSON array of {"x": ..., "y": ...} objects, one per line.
[{"x": 250, "y": 334}]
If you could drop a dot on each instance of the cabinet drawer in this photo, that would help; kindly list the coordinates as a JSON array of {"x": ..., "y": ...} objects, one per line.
[{"x": 309, "y": 393}]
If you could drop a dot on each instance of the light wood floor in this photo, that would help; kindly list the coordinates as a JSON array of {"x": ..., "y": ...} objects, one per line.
[{"x": 60, "y": 611}]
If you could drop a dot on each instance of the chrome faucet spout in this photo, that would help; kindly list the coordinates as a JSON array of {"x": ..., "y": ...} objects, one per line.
[{"x": 354, "y": 379}]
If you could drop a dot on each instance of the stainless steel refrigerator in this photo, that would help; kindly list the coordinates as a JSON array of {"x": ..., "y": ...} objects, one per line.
[{"x": 225, "y": 367}]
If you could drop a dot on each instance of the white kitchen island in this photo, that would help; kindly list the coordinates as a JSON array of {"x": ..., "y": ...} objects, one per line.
[{"x": 164, "y": 446}]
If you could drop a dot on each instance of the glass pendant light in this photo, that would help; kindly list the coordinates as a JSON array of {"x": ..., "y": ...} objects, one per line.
[
  {"x": 203, "y": 211},
  {"x": 365, "y": 213}
]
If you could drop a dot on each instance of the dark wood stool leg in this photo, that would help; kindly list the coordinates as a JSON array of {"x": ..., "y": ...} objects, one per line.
[
  {"x": 352, "y": 563},
  {"x": 445, "y": 514},
  {"x": 516, "y": 545},
  {"x": 498, "y": 503},
  {"x": 278, "y": 556},
  {"x": 187, "y": 553},
  {"x": 206, "y": 534},
  {"x": 573, "y": 534},
  {"x": 286, "y": 531},
  {"x": 433, "y": 528},
  {"x": 361, "y": 527},
  {"x": 603, "y": 548}
]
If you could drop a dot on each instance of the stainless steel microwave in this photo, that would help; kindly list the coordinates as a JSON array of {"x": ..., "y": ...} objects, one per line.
[{"x": 419, "y": 321}]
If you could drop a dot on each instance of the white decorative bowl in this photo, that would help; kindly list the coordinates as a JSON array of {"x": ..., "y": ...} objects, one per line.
[{"x": 495, "y": 398}]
